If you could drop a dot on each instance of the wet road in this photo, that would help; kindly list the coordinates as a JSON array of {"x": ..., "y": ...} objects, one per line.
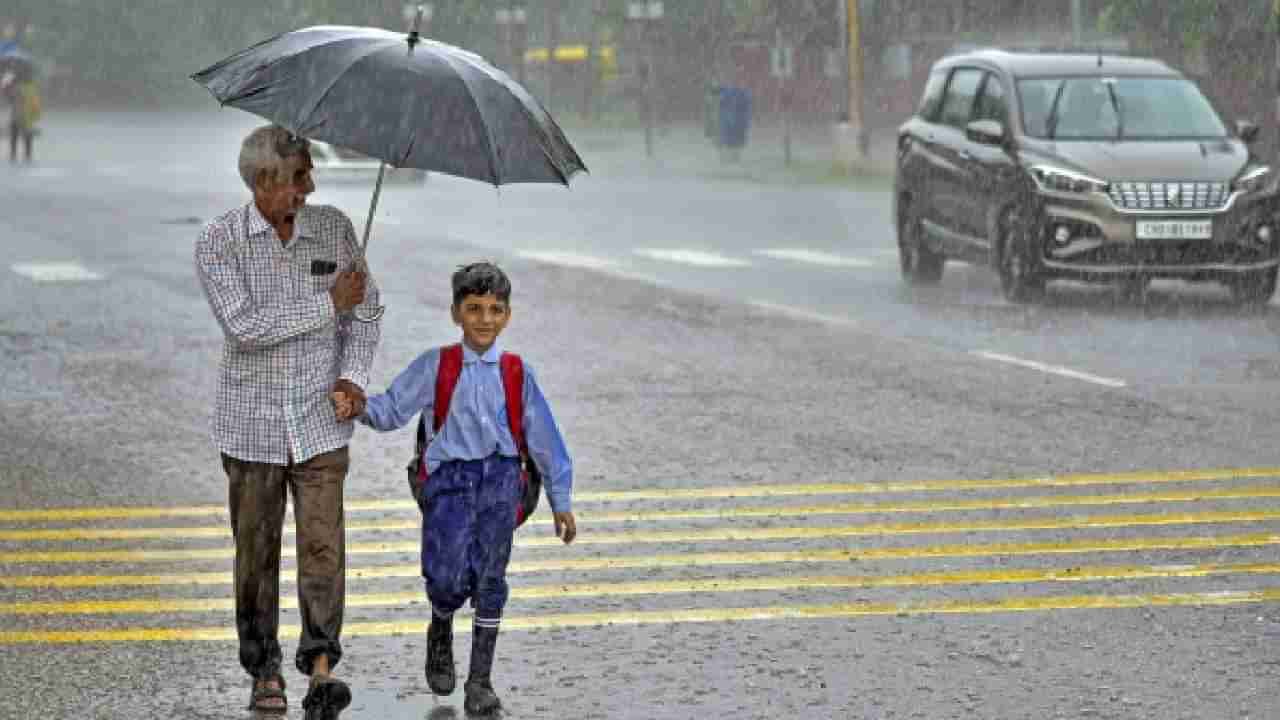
[{"x": 802, "y": 491}]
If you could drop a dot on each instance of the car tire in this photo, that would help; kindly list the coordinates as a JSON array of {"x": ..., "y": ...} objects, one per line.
[
  {"x": 1021, "y": 278},
  {"x": 920, "y": 265},
  {"x": 1254, "y": 288}
]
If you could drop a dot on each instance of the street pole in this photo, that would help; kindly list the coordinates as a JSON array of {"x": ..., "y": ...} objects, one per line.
[
  {"x": 856, "y": 120},
  {"x": 1077, "y": 24},
  {"x": 553, "y": 41},
  {"x": 842, "y": 9},
  {"x": 520, "y": 42},
  {"x": 644, "y": 14},
  {"x": 592, "y": 62},
  {"x": 648, "y": 90}
]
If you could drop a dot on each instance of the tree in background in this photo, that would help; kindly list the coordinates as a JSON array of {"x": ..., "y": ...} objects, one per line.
[{"x": 1229, "y": 46}]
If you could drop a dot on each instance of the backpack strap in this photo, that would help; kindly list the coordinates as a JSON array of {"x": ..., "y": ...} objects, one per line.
[
  {"x": 446, "y": 380},
  {"x": 513, "y": 386},
  {"x": 512, "y": 368},
  {"x": 448, "y": 370}
]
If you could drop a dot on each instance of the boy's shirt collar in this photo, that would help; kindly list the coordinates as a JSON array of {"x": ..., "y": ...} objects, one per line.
[{"x": 491, "y": 356}]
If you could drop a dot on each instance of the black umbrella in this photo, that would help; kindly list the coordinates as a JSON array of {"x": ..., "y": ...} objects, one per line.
[{"x": 405, "y": 100}]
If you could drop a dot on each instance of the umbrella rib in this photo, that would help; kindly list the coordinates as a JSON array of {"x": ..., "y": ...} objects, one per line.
[
  {"x": 557, "y": 163},
  {"x": 484, "y": 123},
  {"x": 543, "y": 141},
  {"x": 363, "y": 55}
]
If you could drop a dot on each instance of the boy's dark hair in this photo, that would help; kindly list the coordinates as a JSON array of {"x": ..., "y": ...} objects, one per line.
[{"x": 481, "y": 278}]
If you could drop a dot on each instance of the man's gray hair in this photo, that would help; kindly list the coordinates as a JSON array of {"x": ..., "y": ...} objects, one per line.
[{"x": 266, "y": 149}]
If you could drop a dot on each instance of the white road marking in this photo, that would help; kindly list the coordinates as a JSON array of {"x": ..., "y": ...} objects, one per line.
[
  {"x": 53, "y": 272},
  {"x": 1051, "y": 369},
  {"x": 814, "y": 257},
  {"x": 568, "y": 259},
  {"x": 801, "y": 313},
  {"x": 691, "y": 257},
  {"x": 47, "y": 172}
]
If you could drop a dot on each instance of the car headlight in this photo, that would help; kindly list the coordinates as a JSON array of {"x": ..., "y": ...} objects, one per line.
[
  {"x": 1254, "y": 179},
  {"x": 1059, "y": 180}
]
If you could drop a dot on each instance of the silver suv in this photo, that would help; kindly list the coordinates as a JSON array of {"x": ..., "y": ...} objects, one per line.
[{"x": 1086, "y": 167}]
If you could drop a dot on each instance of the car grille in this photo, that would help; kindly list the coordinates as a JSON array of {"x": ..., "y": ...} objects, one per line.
[
  {"x": 1173, "y": 253},
  {"x": 1169, "y": 195}
]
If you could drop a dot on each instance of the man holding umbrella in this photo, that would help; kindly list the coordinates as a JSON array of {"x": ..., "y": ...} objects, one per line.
[
  {"x": 409, "y": 102},
  {"x": 280, "y": 277}
]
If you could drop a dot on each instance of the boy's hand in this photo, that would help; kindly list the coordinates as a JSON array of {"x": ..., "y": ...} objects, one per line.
[
  {"x": 342, "y": 406},
  {"x": 348, "y": 399},
  {"x": 566, "y": 527}
]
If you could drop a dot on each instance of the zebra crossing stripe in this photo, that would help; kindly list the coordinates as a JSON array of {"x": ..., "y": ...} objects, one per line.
[
  {"x": 680, "y": 560},
  {"x": 728, "y": 492},
  {"x": 685, "y": 536},
  {"x": 666, "y": 587},
  {"x": 777, "y": 511},
  {"x": 706, "y": 615}
]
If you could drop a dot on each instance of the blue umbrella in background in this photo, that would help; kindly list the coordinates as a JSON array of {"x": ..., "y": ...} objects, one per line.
[{"x": 13, "y": 59}]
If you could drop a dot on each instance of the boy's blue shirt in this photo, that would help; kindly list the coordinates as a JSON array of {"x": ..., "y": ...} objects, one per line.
[{"x": 477, "y": 425}]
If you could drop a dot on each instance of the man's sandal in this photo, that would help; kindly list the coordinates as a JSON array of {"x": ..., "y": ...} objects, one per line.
[
  {"x": 326, "y": 697},
  {"x": 267, "y": 695}
]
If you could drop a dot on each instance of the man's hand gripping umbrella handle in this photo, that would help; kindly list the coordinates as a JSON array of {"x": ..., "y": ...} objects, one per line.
[{"x": 362, "y": 265}]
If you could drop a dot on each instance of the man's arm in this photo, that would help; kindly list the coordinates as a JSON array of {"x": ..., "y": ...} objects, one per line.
[
  {"x": 413, "y": 391},
  {"x": 245, "y": 323},
  {"x": 546, "y": 445},
  {"x": 359, "y": 340}
]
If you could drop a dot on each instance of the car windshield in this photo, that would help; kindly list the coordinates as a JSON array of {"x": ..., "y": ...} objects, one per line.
[{"x": 1110, "y": 108}]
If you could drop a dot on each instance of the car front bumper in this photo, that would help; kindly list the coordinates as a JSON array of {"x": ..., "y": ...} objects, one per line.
[{"x": 1104, "y": 241}]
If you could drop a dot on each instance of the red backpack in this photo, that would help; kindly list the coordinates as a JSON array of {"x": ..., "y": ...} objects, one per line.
[{"x": 447, "y": 374}]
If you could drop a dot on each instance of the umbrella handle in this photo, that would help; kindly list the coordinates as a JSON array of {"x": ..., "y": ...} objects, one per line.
[{"x": 376, "y": 312}]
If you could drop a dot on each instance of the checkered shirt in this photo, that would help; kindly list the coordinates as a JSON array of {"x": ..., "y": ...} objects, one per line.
[{"x": 285, "y": 345}]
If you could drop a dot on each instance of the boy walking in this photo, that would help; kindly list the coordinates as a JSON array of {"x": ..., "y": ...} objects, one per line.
[{"x": 473, "y": 464}]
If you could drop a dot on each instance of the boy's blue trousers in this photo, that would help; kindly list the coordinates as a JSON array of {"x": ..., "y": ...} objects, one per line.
[{"x": 468, "y": 521}]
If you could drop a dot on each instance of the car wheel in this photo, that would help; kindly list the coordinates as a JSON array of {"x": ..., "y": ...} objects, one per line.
[
  {"x": 920, "y": 265},
  {"x": 1255, "y": 288},
  {"x": 1021, "y": 279}
]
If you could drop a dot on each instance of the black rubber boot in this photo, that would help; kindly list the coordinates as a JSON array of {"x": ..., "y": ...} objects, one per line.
[
  {"x": 481, "y": 699},
  {"x": 440, "y": 673}
]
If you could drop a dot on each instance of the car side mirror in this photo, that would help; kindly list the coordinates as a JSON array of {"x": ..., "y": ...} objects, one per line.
[
  {"x": 987, "y": 132},
  {"x": 1248, "y": 131}
]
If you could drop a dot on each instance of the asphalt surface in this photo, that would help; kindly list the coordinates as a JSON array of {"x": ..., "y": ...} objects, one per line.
[{"x": 802, "y": 491}]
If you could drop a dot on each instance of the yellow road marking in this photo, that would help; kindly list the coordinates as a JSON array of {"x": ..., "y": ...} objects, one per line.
[
  {"x": 929, "y": 506},
  {"x": 709, "y": 615},
  {"x": 739, "y": 491},
  {"x": 668, "y": 587},
  {"x": 674, "y": 536},
  {"x": 695, "y": 560}
]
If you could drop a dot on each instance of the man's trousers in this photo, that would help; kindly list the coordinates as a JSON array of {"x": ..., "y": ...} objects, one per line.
[{"x": 257, "y": 499}]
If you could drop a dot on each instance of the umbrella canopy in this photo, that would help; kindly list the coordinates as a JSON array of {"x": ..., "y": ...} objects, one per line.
[
  {"x": 17, "y": 61},
  {"x": 410, "y": 102}
]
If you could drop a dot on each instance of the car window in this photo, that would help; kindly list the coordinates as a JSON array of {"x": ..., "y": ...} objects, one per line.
[
  {"x": 932, "y": 98},
  {"x": 958, "y": 103},
  {"x": 1106, "y": 108},
  {"x": 992, "y": 103}
]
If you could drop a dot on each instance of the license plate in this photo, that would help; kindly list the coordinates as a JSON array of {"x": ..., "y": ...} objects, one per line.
[{"x": 1175, "y": 229}]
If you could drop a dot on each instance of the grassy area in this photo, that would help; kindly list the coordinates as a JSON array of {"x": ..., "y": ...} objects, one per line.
[{"x": 685, "y": 150}]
